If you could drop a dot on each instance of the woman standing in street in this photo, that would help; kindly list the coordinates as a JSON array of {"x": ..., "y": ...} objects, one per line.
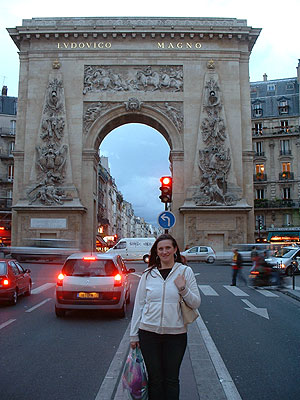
[{"x": 157, "y": 325}]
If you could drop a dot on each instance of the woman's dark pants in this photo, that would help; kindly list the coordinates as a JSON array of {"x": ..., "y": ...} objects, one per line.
[{"x": 163, "y": 355}]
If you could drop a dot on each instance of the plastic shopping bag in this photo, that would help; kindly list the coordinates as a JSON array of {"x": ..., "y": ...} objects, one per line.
[{"x": 134, "y": 376}]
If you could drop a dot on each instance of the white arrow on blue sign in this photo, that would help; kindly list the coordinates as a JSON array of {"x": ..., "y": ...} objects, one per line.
[{"x": 166, "y": 219}]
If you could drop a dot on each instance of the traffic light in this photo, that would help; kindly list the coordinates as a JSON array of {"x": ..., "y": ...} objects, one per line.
[{"x": 166, "y": 189}]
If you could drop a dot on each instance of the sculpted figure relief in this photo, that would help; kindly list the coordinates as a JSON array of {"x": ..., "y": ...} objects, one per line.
[
  {"x": 214, "y": 161},
  {"x": 103, "y": 78}
]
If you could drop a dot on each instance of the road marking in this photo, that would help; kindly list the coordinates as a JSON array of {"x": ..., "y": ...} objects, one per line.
[
  {"x": 266, "y": 293},
  {"x": 225, "y": 379},
  {"x": 235, "y": 290},
  {"x": 262, "y": 312},
  {"x": 7, "y": 323},
  {"x": 207, "y": 290},
  {"x": 40, "y": 289},
  {"x": 38, "y": 305},
  {"x": 113, "y": 375}
]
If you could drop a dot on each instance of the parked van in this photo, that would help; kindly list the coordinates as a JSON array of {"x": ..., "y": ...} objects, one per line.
[{"x": 133, "y": 248}]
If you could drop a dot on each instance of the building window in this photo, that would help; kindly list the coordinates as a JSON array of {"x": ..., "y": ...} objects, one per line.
[
  {"x": 287, "y": 219},
  {"x": 259, "y": 148},
  {"x": 260, "y": 194},
  {"x": 290, "y": 86},
  {"x": 285, "y": 147},
  {"x": 259, "y": 168},
  {"x": 258, "y": 128},
  {"x": 271, "y": 87},
  {"x": 286, "y": 193},
  {"x": 286, "y": 167},
  {"x": 257, "y": 109},
  {"x": 10, "y": 175},
  {"x": 9, "y": 198},
  {"x": 284, "y": 125},
  {"x": 12, "y": 129},
  {"x": 283, "y": 107},
  {"x": 11, "y": 147},
  {"x": 259, "y": 221}
]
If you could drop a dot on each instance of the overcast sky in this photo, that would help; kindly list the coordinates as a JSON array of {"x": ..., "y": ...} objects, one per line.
[{"x": 138, "y": 155}]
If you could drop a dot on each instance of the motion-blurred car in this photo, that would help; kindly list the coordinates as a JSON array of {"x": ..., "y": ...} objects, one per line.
[
  {"x": 14, "y": 281},
  {"x": 200, "y": 253},
  {"x": 93, "y": 281},
  {"x": 284, "y": 258}
]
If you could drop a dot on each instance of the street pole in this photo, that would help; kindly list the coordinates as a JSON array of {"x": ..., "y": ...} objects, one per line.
[{"x": 166, "y": 209}]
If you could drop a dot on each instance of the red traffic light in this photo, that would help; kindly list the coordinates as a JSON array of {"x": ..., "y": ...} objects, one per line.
[{"x": 166, "y": 189}]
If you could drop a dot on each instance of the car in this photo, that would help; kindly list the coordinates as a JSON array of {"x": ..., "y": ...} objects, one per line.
[
  {"x": 93, "y": 281},
  {"x": 200, "y": 253},
  {"x": 284, "y": 259},
  {"x": 14, "y": 281}
]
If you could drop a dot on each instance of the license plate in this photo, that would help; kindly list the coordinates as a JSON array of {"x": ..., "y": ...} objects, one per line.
[{"x": 91, "y": 295}]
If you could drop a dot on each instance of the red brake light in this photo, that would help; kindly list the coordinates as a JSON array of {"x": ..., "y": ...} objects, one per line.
[
  {"x": 5, "y": 282},
  {"x": 118, "y": 280},
  {"x": 60, "y": 279},
  {"x": 89, "y": 258},
  {"x": 254, "y": 272}
]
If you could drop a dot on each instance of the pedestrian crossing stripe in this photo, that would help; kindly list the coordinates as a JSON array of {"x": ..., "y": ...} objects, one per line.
[{"x": 207, "y": 290}]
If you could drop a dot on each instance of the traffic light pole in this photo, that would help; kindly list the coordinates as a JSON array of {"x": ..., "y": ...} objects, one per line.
[{"x": 166, "y": 209}]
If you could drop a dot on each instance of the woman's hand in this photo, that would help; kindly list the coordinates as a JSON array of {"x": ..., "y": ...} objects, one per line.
[
  {"x": 180, "y": 281},
  {"x": 133, "y": 345}
]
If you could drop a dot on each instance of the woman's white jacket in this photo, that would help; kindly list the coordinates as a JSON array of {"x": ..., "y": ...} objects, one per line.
[{"x": 157, "y": 308}]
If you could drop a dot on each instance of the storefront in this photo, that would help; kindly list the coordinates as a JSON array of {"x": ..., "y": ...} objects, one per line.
[{"x": 284, "y": 236}]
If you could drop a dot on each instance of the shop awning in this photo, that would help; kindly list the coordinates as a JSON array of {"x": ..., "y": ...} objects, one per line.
[{"x": 283, "y": 235}]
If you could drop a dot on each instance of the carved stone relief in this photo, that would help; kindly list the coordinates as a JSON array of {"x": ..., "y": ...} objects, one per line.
[
  {"x": 105, "y": 78},
  {"x": 172, "y": 110},
  {"x": 51, "y": 154},
  {"x": 214, "y": 158}
]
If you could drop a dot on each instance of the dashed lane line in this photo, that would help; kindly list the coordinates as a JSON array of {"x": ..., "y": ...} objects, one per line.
[
  {"x": 207, "y": 290},
  {"x": 4, "y": 324},
  {"x": 42, "y": 288},
  {"x": 235, "y": 291},
  {"x": 38, "y": 305}
]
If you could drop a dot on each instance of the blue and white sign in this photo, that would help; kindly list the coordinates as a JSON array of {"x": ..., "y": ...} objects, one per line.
[{"x": 166, "y": 219}]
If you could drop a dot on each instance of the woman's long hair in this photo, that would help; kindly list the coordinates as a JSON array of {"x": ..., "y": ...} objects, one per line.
[{"x": 154, "y": 260}]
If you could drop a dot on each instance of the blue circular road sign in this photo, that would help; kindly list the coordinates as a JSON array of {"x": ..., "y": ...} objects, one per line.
[{"x": 166, "y": 219}]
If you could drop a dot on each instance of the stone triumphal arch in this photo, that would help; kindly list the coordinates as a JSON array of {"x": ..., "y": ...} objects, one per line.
[{"x": 81, "y": 77}]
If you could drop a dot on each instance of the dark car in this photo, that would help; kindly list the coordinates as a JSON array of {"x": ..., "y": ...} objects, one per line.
[{"x": 14, "y": 281}]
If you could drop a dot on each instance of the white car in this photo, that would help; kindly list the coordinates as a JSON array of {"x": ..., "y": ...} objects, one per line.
[
  {"x": 200, "y": 253},
  {"x": 91, "y": 281}
]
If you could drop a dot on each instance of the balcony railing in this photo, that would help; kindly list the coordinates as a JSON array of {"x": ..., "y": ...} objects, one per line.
[
  {"x": 5, "y": 203},
  {"x": 6, "y": 179},
  {"x": 7, "y": 132},
  {"x": 275, "y": 131},
  {"x": 285, "y": 152},
  {"x": 260, "y": 154},
  {"x": 259, "y": 177},
  {"x": 278, "y": 203},
  {"x": 286, "y": 176}
]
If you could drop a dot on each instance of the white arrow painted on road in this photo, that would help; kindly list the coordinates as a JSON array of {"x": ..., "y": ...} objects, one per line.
[{"x": 263, "y": 312}]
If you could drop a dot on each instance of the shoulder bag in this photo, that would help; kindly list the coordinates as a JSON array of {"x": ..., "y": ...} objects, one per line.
[{"x": 188, "y": 314}]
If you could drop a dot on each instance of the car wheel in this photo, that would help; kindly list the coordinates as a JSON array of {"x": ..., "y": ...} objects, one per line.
[
  {"x": 14, "y": 298},
  {"x": 146, "y": 258},
  {"x": 28, "y": 291},
  {"x": 60, "y": 312},
  {"x": 122, "y": 311},
  {"x": 210, "y": 260}
]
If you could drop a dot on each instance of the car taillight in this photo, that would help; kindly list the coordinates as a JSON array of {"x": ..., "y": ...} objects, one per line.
[
  {"x": 89, "y": 258},
  {"x": 5, "y": 282},
  {"x": 60, "y": 279},
  {"x": 118, "y": 280},
  {"x": 254, "y": 272}
]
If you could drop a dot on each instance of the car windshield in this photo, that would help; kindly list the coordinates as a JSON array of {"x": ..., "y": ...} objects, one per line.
[
  {"x": 82, "y": 267},
  {"x": 2, "y": 268},
  {"x": 284, "y": 252}
]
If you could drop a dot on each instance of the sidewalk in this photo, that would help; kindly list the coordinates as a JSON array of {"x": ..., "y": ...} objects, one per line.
[
  {"x": 295, "y": 293},
  {"x": 203, "y": 375}
]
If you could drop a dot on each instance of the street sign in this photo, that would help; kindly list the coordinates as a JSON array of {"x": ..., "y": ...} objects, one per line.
[{"x": 166, "y": 219}]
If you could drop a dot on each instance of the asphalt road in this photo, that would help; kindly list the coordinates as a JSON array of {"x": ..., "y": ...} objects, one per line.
[{"x": 43, "y": 357}]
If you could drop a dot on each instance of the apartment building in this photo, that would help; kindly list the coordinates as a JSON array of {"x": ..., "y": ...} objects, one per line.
[
  {"x": 276, "y": 144},
  {"x": 8, "y": 117}
]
